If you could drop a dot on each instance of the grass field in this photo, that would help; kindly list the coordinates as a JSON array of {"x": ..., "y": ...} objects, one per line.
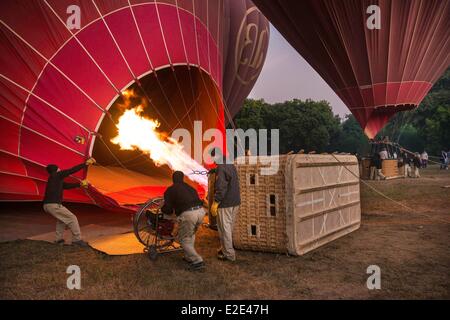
[{"x": 412, "y": 248}]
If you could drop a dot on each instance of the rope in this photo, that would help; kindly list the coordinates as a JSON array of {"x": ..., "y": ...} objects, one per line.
[
  {"x": 173, "y": 71},
  {"x": 387, "y": 197},
  {"x": 407, "y": 151},
  {"x": 113, "y": 155},
  {"x": 182, "y": 118}
]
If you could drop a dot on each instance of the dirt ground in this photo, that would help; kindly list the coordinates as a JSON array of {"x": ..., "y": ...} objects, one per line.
[{"x": 411, "y": 247}]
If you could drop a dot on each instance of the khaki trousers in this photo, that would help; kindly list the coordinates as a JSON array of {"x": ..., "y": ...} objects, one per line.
[
  {"x": 407, "y": 170},
  {"x": 63, "y": 218},
  {"x": 416, "y": 172},
  {"x": 373, "y": 171},
  {"x": 189, "y": 221},
  {"x": 380, "y": 174},
  {"x": 226, "y": 218}
]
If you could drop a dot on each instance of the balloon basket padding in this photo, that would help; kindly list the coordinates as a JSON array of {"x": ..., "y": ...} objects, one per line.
[{"x": 310, "y": 200}]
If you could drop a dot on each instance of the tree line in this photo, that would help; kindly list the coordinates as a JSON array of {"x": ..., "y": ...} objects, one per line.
[{"x": 312, "y": 126}]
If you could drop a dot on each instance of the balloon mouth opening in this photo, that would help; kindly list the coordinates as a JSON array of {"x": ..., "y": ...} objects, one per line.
[
  {"x": 178, "y": 97},
  {"x": 380, "y": 117}
]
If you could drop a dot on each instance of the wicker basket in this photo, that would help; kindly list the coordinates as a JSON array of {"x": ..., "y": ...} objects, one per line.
[
  {"x": 365, "y": 164},
  {"x": 389, "y": 168},
  {"x": 311, "y": 200}
]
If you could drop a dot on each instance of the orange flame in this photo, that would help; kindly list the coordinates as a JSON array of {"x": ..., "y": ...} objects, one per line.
[{"x": 137, "y": 132}]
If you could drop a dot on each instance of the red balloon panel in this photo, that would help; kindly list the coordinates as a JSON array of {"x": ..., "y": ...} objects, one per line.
[
  {"x": 148, "y": 24},
  {"x": 84, "y": 72},
  {"x": 16, "y": 56},
  {"x": 52, "y": 124},
  {"x": 32, "y": 144},
  {"x": 125, "y": 33},
  {"x": 17, "y": 185},
  {"x": 12, "y": 165},
  {"x": 73, "y": 102},
  {"x": 87, "y": 10},
  {"x": 100, "y": 44},
  {"x": 11, "y": 131},
  {"x": 12, "y": 101},
  {"x": 47, "y": 33},
  {"x": 170, "y": 29},
  {"x": 187, "y": 24}
]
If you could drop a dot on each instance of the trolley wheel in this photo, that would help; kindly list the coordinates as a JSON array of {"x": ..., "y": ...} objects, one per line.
[
  {"x": 152, "y": 253},
  {"x": 143, "y": 225}
]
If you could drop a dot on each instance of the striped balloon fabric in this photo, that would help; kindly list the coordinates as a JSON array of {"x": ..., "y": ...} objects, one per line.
[{"x": 65, "y": 64}]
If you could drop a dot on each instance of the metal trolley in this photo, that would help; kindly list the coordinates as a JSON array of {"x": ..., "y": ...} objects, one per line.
[{"x": 153, "y": 230}]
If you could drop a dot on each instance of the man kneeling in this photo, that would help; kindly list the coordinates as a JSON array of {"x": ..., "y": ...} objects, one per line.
[{"x": 184, "y": 200}]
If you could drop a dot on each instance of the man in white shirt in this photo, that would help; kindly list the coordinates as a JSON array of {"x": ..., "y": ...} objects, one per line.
[
  {"x": 384, "y": 154},
  {"x": 424, "y": 158}
]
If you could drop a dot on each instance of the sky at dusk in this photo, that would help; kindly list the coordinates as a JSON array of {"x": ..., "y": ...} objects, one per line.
[{"x": 286, "y": 75}]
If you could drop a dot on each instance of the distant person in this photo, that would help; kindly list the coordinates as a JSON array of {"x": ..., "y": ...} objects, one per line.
[
  {"x": 444, "y": 160},
  {"x": 424, "y": 159},
  {"x": 374, "y": 164},
  {"x": 378, "y": 163},
  {"x": 183, "y": 199},
  {"x": 448, "y": 159},
  {"x": 53, "y": 201},
  {"x": 410, "y": 166},
  {"x": 384, "y": 154},
  {"x": 417, "y": 165},
  {"x": 227, "y": 200},
  {"x": 401, "y": 163}
]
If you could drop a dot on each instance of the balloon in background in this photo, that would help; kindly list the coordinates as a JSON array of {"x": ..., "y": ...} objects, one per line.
[
  {"x": 245, "y": 51},
  {"x": 376, "y": 72}
]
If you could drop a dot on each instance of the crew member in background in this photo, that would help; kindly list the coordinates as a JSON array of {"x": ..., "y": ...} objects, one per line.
[
  {"x": 376, "y": 168},
  {"x": 406, "y": 164},
  {"x": 384, "y": 154},
  {"x": 444, "y": 160},
  {"x": 53, "y": 199},
  {"x": 212, "y": 220},
  {"x": 417, "y": 165},
  {"x": 448, "y": 158},
  {"x": 184, "y": 200},
  {"x": 227, "y": 199},
  {"x": 424, "y": 159},
  {"x": 374, "y": 160}
]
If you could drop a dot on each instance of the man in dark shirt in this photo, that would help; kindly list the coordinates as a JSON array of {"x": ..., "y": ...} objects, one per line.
[
  {"x": 417, "y": 165},
  {"x": 227, "y": 199},
  {"x": 53, "y": 201},
  {"x": 182, "y": 199}
]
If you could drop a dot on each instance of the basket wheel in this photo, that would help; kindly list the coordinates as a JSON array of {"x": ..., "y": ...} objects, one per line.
[{"x": 143, "y": 227}]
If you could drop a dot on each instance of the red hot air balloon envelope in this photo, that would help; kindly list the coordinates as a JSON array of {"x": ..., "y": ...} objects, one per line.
[
  {"x": 60, "y": 87},
  {"x": 245, "y": 51},
  {"x": 376, "y": 72}
]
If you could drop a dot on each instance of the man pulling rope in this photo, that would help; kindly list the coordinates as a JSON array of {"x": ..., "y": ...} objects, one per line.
[{"x": 53, "y": 201}]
